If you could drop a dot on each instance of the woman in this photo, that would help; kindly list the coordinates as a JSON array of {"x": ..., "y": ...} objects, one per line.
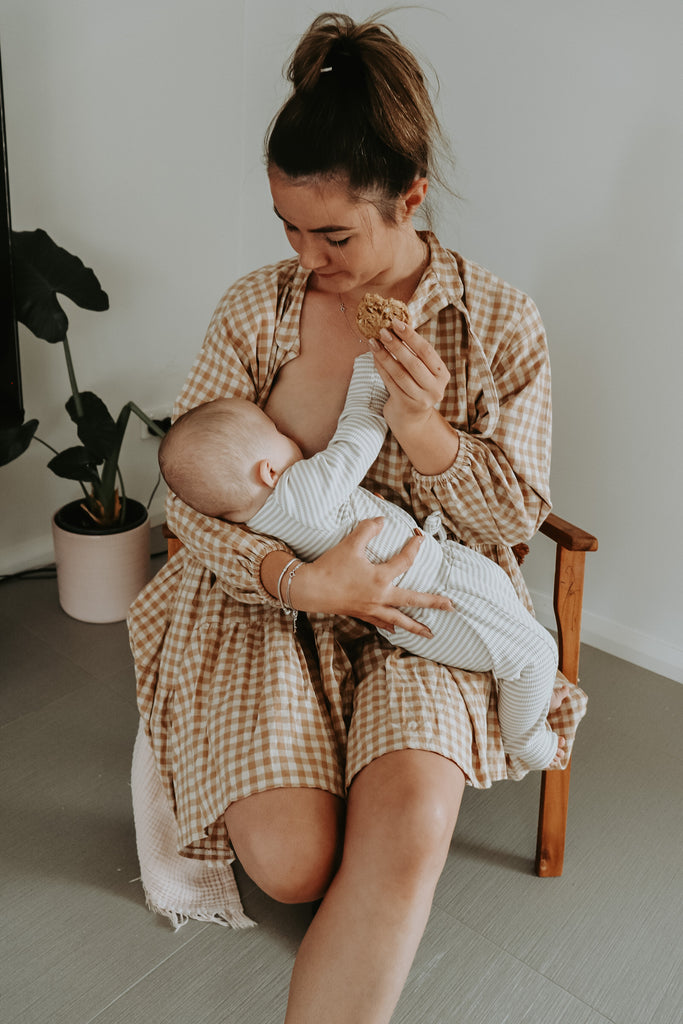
[{"x": 330, "y": 763}]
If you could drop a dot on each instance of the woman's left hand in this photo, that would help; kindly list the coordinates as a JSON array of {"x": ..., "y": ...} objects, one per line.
[{"x": 416, "y": 378}]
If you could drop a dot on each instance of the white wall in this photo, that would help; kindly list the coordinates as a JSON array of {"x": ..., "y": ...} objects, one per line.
[
  {"x": 565, "y": 120},
  {"x": 124, "y": 124}
]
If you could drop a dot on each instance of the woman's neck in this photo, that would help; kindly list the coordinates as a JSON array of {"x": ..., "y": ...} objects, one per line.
[{"x": 402, "y": 276}]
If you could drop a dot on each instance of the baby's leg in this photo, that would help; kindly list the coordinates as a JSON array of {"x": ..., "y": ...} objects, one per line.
[
  {"x": 489, "y": 629},
  {"x": 523, "y": 705}
]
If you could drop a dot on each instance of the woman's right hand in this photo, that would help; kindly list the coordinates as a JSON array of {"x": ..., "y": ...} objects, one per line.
[{"x": 344, "y": 582}]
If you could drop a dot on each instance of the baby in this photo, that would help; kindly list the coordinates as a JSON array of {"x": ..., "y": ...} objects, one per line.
[{"x": 228, "y": 460}]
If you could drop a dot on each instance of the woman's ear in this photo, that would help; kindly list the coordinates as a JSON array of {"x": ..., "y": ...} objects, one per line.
[
  {"x": 415, "y": 197},
  {"x": 267, "y": 474}
]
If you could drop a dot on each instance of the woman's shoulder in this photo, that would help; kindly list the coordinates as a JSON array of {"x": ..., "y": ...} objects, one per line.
[
  {"x": 484, "y": 287},
  {"x": 498, "y": 313},
  {"x": 490, "y": 299}
]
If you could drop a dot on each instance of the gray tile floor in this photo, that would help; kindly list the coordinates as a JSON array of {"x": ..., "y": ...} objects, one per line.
[{"x": 603, "y": 943}]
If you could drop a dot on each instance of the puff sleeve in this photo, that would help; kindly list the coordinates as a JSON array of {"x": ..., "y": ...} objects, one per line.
[{"x": 238, "y": 358}]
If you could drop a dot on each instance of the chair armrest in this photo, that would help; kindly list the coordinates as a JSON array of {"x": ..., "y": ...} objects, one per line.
[{"x": 568, "y": 536}]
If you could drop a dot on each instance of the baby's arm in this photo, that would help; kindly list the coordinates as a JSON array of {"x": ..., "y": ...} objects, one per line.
[{"x": 326, "y": 479}]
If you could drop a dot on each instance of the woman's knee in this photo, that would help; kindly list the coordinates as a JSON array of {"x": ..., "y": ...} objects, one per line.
[
  {"x": 403, "y": 808},
  {"x": 288, "y": 841}
]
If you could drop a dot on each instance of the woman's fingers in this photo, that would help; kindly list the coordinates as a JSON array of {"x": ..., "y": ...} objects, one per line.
[
  {"x": 398, "y": 563},
  {"x": 396, "y": 566},
  {"x": 409, "y": 363},
  {"x": 344, "y": 582},
  {"x": 411, "y": 349},
  {"x": 362, "y": 534},
  {"x": 396, "y": 597}
]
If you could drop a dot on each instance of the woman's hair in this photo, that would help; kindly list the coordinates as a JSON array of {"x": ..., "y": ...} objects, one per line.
[{"x": 360, "y": 110}]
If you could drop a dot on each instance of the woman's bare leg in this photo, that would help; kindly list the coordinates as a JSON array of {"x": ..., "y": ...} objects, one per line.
[
  {"x": 288, "y": 841},
  {"x": 355, "y": 957}
]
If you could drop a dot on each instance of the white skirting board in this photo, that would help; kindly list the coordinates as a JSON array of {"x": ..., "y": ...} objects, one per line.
[{"x": 648, "y": 652}]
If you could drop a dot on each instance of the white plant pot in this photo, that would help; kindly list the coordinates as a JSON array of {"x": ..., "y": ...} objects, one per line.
[{"x": 99, "y": 575}]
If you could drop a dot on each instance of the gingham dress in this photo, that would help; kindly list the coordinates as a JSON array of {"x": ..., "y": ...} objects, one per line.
[
  {"x": 235, "y": 703},
  {"x": 317, "y": 502}
]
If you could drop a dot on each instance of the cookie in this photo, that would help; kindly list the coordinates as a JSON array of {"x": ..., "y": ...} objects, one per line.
[{"x": 375, "y": 312}]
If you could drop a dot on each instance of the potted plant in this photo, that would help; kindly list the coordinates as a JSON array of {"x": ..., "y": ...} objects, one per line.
[{"x": 104, "y": 519}]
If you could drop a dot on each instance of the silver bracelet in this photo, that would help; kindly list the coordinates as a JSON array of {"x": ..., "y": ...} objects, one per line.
[
  {"x": 289, "y": 584},
  {"x": 287, "y": 603},
  {"x": 285, "y": 607}
]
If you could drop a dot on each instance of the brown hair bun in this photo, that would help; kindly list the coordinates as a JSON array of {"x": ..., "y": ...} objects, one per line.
[{"x": 375, "y": 312}]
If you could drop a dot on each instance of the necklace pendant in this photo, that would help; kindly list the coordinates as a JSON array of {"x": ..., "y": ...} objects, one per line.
[{"x": 342, "y": 307}]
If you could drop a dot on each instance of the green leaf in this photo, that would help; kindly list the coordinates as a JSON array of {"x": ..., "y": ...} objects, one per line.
[
  {"x": 96, "y": 428},
  {"x": 41, "y": 270},
  {"x": 76, "y": 464},
  {"x": 15, "y": 440}
]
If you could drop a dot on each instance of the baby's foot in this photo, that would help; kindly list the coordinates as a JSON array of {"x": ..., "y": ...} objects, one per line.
[
  {"x": 559, "y": 694},
  {"x": 557, "y": 760}
]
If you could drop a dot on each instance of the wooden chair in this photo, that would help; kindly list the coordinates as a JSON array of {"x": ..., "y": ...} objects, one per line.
[{"x": 572, "y": 545}]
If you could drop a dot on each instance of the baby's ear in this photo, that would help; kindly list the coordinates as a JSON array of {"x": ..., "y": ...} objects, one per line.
[{"x": 267, "y": 474}]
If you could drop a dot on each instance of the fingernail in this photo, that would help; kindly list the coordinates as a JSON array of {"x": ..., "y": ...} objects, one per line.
[
  {"x": 384, "y": 334},
  {"x": 373, "y": 344},
  {"x": 398, "y": 325}
]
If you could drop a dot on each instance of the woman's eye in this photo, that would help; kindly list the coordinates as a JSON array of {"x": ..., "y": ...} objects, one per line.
[{"x": 337, "y": 242}]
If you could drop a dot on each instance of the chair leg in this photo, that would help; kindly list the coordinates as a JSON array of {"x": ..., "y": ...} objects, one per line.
[
  {"x": 552, "y": 823},
  {"x": 552, "y": 816}
]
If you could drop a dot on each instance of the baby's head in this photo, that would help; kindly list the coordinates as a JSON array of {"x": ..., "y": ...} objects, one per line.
[{"x": 224, "y": 458}]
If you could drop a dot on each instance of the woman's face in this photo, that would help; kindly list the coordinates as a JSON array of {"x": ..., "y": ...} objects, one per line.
[{"x": 345, "y": 242}]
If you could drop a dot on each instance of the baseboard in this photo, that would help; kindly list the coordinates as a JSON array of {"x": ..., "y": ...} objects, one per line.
[
  {"x": 38, "y": 552},
  {"x": 639, "y": 648}
]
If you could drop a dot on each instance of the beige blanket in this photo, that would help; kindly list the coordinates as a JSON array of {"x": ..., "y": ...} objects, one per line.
[{"x": 175, "y": 886}]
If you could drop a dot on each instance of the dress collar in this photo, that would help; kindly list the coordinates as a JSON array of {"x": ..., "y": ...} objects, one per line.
[{"x": 442, "y": 286}]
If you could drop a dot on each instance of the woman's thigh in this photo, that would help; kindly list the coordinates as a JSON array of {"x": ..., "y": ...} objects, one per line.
[{"x": 288, "y": 840}]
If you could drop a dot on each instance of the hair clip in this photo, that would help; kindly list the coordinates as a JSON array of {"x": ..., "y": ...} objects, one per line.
[{"x": 322, "y": 70}]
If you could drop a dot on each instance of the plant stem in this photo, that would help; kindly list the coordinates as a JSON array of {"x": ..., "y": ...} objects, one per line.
[
  {"x": 124, "y": 500},
  {"x": 44, "y": 443},
  {"x": 111, "y": 463},
  {"x": 110, "y": 469},
  {"x": 146, "y": 419},
  {"x": 72, "y": 379}
]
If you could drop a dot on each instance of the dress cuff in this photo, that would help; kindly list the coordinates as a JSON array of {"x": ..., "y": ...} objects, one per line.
[
  {"x": 261, "y": 590},
  {"x": 461, "y": 462}
]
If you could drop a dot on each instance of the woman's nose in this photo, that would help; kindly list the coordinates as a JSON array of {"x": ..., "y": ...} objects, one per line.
[{"x": 312, "y": 256}]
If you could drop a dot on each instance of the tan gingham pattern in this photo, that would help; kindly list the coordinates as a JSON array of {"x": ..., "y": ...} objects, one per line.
[{"x": 233, "y": 703}]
